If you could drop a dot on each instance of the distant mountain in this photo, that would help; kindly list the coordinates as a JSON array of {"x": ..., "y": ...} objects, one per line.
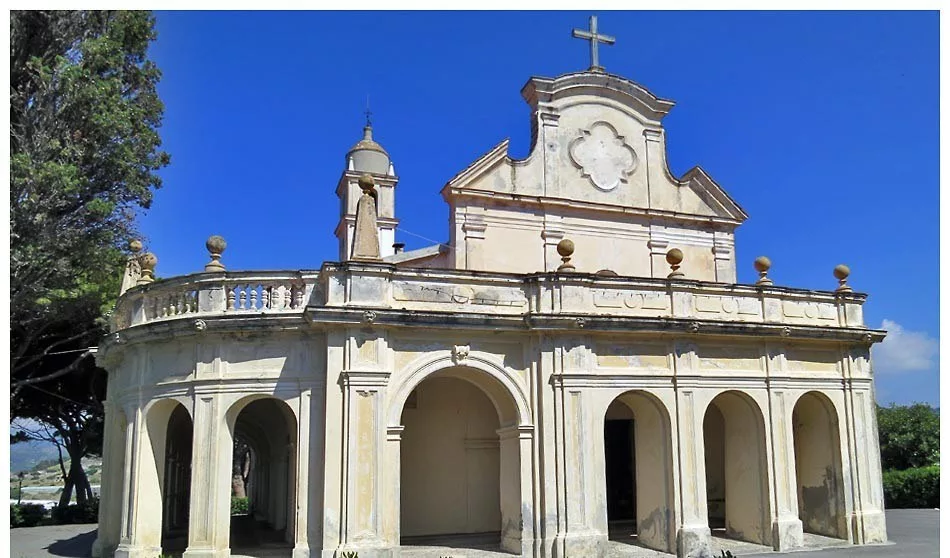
[{"x": 25, "y": 455}]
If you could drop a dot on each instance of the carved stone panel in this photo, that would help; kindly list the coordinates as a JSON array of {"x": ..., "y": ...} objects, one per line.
[{"x": 603, "y": 156}]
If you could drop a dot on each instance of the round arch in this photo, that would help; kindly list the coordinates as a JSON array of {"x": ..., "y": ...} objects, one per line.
[
  {"x": 270, "y": 424},
  {"x": 505, "y": 393},
  {"x": 638, "y": 441},
  {"x": 737, "y": 481},
  {"x": 818, "y": 467}
]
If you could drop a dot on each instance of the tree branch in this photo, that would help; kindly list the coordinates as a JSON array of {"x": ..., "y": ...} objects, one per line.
[{"x": 19, "y": 384}]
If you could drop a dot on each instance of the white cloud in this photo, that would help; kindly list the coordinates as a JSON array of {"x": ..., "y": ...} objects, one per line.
[{"x": 904, "y": 351}]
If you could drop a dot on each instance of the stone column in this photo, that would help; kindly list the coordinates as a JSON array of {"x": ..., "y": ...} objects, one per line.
[
  {"x": 301, "y": 546},
  {"x": 111, "y": 489},
  {"x": 786, "y": 526},
  {"x": 693, "y": 537},
  {"x": 517, "y": 523},
  {"x": 363, "y": 506},
  {"x": 141, "y": 534},
  {"x": 576, "y": 497},
  {"x": 209, "y": 518},
  {"x": 867, "y": 522}
]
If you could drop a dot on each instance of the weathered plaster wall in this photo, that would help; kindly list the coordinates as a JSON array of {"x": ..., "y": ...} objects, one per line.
[{"x": 450, "y": 460}]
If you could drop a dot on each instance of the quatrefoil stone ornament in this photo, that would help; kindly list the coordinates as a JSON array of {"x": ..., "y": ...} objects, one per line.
[{"x": 603, "y": 156}]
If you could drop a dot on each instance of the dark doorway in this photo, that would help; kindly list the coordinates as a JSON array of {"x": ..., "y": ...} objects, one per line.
[
  {"x": 620, "y": 466},
  {"x": 177, "y": 480}
]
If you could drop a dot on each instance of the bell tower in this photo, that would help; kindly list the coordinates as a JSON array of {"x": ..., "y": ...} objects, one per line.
[{"x": 367, "y": 157}]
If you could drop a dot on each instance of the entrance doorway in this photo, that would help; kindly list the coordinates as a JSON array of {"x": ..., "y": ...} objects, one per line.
[
  {"x": 638, "y": 468},
  {"x": 620, "y": 461}
]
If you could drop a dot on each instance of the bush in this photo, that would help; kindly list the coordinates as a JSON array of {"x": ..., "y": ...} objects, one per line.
[
  {"x": 912, "y": 488},
  {"x": 74, "y": 513},
  {"x": 239, "y": 506},
  {"x": 26, "y": 515}
]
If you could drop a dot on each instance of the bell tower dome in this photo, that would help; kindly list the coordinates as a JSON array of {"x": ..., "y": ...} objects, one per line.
[{"x": 367, "y": 157}]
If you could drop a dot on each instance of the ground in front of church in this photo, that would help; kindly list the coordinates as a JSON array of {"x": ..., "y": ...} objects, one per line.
[{"x": 914, "y": 534}]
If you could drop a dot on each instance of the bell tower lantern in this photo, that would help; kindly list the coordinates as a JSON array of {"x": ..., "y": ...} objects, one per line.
[{"x": 367, "y": 157}]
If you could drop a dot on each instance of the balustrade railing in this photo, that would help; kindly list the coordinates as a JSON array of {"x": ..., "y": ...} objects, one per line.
[{"x": 206, "y": 294}]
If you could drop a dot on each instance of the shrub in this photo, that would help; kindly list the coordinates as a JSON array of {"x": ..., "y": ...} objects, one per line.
[
  {"x": 912, "y": 488},
  {"x": 239, "y": 506},
  {"x": 74, "y": 513},
  {"x": 26, "y": 515}
]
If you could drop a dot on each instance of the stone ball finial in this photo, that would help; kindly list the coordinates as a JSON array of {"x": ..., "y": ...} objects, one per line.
[
  {"x": 841, "y": 274},
  {"x": 216, "y": 246},
  {"x": 147, "y": 261},
  {"x": 566, "y": 249},
  {"x": 762, "y": 264},
  {"x": 674, "y": 257},
  {"x": 135, "y": 246},
  {"x": 366, "y": 183}
]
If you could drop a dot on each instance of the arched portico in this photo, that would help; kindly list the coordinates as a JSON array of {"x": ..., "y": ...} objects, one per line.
[
  {"x": 473, "y": 415},
  {"x": 737, "y": 482},
  {"x": 638, "y": 457},
  {"x": 818, "y": 469},
  {"x": 266, "y": 428}
]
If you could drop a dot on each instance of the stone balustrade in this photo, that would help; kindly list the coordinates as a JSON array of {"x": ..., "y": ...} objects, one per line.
[
  {"x": 217, "y": 293},
  {"x": 385, "y": 287}
]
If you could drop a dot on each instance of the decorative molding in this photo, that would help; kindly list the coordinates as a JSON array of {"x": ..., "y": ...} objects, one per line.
[
  {"x": 603, "y": 156},
  {"x": 460, "y": 353},
  {"x": 365, "y": 379}
]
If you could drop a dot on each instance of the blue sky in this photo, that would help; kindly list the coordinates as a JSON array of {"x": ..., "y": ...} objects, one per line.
[{"x": 822, "y": 125}]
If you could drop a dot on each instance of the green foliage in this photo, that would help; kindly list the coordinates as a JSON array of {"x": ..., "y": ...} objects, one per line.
[
  {"x": 26, "y": 515},
  {"x": 239, "y": 506},
  {"x": 84, "y": 152},
  {"x": 87, "y": 512},
  {"x": 350, "y": 554},
  {"x": 909, "y": 436},
  {"x": 84, "y": 149},
  {"x": 912, "y": 488}
]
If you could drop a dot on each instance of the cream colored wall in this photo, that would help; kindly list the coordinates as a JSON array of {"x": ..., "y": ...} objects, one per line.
[
  {"x": 745, "y": 465},
  {"x": 818, "y": 467},
  {"x": 449, "y": 461}
]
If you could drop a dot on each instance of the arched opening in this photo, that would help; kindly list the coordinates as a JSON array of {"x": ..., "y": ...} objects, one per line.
[
  {"x": 736, "y": 473},
  {"x": 818, "y": 467},
  {"x": 263, "y": 466},
  {"x": 460, "y": 463},
  {"x": 638, "y": 471},
  {"x": 163, "y": 477},
  {"x": 177, "y": 480}
]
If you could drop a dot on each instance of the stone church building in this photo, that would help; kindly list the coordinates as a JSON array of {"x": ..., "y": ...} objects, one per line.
[{"x": 573, "y": 373}]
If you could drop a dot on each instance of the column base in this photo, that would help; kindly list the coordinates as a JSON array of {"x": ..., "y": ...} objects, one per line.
[
  {"x": 301, "y": 551},
  {"x": 363, "y": 552},
  {"x": 869, "y": 527},
  {"x": 205, "y": 552},
  {"x": 131, "y": 551},
  {"x": 694, "y": 542},
  {"x": 574, "y": 545},
  {"x": 787, "y": 534}
]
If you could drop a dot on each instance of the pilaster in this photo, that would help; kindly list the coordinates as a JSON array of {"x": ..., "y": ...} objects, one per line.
[
  {"x": 363, "y": 505},
  {"x": 693, "y": 537},
  {"x": 209, "y": 517},
  {"x": 786, "y": 526}
]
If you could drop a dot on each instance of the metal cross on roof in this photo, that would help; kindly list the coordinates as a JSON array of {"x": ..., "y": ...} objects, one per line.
[
  {"x": 594, "y": 39},
  {"x": 368, "y": 114}
]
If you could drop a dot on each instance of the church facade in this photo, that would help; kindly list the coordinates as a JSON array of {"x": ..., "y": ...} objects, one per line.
[{"x": 576, "y": 361}]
